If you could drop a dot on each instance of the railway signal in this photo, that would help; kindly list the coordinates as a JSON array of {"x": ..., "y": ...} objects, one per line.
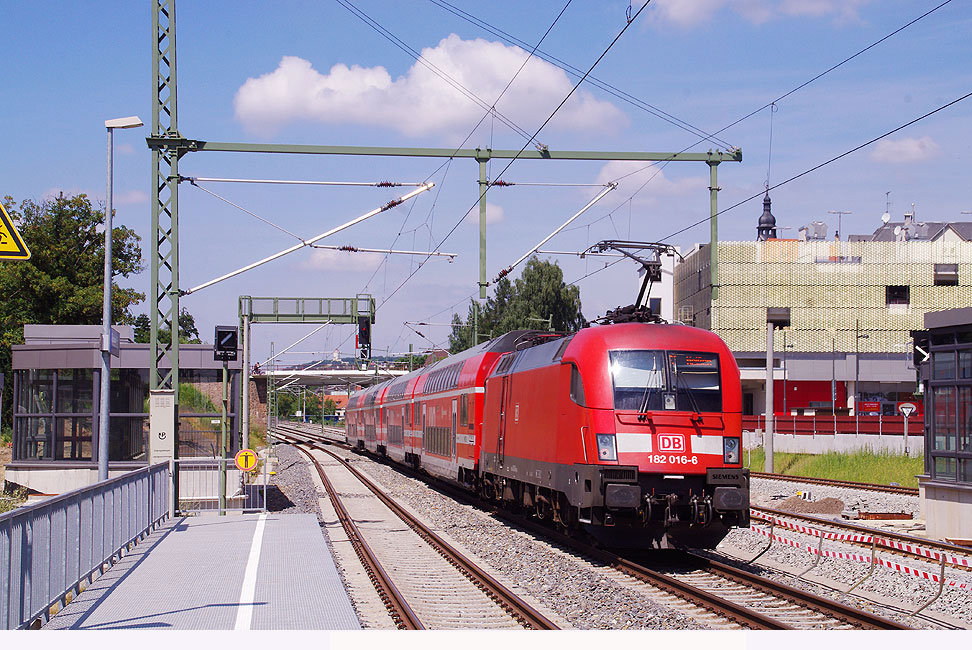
[{"x": 364, "y": 337}]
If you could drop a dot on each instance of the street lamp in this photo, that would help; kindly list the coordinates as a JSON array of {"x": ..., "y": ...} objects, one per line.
[{"x": 103, "y": 413}]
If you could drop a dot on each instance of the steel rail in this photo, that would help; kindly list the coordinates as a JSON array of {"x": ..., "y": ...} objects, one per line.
[
  {"x": 725, "y": 608},
  {"x": 877, "y": 533},
  {"x": 525, "y": 614},
  {"x": 894, "y": 489},
  {"x": 817, "y": 603},
  {"x": 716, "y": 604},
  {"x": 398, "y": 607}
]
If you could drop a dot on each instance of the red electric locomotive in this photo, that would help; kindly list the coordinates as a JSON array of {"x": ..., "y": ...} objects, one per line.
[{"x": 631, "y": 431}]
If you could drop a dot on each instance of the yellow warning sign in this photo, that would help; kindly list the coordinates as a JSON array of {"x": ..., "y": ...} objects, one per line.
[
  {"x": 246, "y": 460},
  {"x": 12, "y": 247}
]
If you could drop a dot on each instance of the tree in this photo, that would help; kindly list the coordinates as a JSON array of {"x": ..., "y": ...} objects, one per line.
[
  {"x": 187, "y": 329},
  {"x": 537, "y": 295},
  {"x": 62, "y": 283}
]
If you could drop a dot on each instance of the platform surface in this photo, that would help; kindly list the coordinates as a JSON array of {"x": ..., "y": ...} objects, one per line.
[{"x": 259, "y": 572}]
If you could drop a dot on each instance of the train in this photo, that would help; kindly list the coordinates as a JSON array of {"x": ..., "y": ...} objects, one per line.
[{"x": 630, "y": 432}]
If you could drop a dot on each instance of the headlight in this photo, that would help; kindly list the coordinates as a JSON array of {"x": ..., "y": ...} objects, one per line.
[
  {"x": 730, "y": 451},
  {"x": 606, "y": 449}
]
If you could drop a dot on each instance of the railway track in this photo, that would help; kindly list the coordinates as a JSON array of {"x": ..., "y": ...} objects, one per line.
[
  {"x": 424, "y": 582},
  {"x": 886, "y": 540},
  {"x": 739, "y": 598},
  {"x": 875, "y": 487}
]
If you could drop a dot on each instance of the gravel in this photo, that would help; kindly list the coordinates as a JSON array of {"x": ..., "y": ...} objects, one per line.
[
  {"x": 896, "y": 591},
  {"x": 593, "y": 597}
]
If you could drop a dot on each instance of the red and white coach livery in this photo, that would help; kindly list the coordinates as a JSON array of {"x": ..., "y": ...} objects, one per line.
[{"x": 631, "y": 431}]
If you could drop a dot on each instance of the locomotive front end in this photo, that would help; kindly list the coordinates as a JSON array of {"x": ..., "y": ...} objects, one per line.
[{"x": 665, "y": 410}]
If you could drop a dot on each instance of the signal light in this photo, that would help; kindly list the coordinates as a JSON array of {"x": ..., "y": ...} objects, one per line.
[{"x": 364, "y": 336}]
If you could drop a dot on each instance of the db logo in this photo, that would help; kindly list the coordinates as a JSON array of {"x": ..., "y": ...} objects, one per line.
[{"x": 671, "y": 442}]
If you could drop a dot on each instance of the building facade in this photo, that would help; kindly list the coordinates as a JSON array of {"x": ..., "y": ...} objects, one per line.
[{"x": 852, "y": 307}]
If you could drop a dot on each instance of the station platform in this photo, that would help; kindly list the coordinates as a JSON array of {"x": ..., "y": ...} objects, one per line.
[{"x": 236, "y": 572}]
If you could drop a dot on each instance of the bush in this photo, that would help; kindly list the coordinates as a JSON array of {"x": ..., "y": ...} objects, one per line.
[{"x": 6, "y": 436}]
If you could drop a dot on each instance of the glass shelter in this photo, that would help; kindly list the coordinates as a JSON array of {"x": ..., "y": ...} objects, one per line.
[
  {"x": 943, "y": 354},
  {"x": 57, "y": 382}
]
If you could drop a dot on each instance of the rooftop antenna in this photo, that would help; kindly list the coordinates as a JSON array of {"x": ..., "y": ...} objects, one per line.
[{"x": 886, "y": 217}]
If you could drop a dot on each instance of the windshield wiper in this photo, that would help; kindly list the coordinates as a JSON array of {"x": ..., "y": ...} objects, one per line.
[
  {"x": 679, "y": 384},
  {"x": 644, "y": 400}
]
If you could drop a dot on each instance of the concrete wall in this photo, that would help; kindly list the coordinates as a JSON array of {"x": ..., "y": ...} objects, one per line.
[
  {"x": 947, "y": 509},
  {"x": 804, "y": 444}
]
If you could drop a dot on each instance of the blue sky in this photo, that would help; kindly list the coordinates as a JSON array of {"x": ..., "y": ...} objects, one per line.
[{"x": 313, "y": 73}]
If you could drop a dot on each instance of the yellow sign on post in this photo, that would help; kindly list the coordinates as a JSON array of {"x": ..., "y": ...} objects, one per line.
[
  {"x": 12, "y": 247},
  {"x": 246, "y": 460}
]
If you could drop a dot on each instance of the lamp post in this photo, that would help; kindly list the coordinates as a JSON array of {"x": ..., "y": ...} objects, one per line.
[{"x": 103, "y": 413}]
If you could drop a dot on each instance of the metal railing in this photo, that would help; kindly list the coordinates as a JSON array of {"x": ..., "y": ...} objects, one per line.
[
  {"x": 199, "y": 486},
  {"x": 828, "y": 425},
  {"x": 48, "y": 551}
]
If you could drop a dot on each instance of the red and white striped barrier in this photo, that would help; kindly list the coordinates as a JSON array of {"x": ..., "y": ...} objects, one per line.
[
  {"x": 862, "y": 539},
  {"x": 894, "y": 566}
]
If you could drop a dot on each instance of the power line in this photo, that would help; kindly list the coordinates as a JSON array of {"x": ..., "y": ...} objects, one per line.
[
  {"x": 533, "y": 137},
  {"x": 823, "y": 164},
  {"x": 368, "y": 20},
  {"x": 568, "y": 68}
]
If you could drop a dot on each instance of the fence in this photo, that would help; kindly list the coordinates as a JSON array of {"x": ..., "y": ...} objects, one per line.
[
  {"x": 47, "y": 551},
  {"x": 199, "y": 486},
  {"x": 823, "y": 425}
]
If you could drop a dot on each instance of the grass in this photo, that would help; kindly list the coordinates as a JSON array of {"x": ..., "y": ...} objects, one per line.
[{"x": 865, "y": 466}]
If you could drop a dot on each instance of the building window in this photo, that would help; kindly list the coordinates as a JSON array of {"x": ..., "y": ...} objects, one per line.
[
  {"x": 946, "y": 275},
  {"x": 897, "y": 295}
]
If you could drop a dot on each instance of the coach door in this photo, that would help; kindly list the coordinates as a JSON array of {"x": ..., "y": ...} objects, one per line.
[
  {"x": 455, "y": 412},
  {"x": 501, "y": 439}
]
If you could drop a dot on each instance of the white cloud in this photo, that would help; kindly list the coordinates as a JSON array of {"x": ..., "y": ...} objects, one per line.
[
  {"x": 631, "y": 175},
  {"x": 131, "y": 197},
  {"x": 905, "y": 150},
  {"x": 420, "y": 102},
  {"x": 494, "y": 214},
  {"x": 325, "y": 259},
  {"x": 689, "y": 13},
  {"x": 125, "y": 148}
]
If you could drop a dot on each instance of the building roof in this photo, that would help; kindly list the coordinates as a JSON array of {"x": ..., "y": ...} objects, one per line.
[{"x": 920, "y": 230}]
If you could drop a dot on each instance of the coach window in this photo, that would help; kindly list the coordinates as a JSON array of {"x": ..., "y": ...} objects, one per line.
[{"x": 463, "y": 411}]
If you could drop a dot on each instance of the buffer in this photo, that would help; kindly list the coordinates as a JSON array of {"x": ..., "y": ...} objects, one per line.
[{"x": 12, "y": 246}]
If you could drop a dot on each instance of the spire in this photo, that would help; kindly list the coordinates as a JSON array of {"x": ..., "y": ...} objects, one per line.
[{"x": 767, "y": 222}]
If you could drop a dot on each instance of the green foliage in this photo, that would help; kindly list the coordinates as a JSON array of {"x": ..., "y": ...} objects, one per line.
[
  {"x": 528, "y": 302},
  {"x": 6, "y": 436},
  {"x": 192, "y": 400},
  {"x": 187, "y": 329},
  {"x": 865, "y": 466},
  {"x": 13, "y": 500},
  {"x": 62, "y": 283},
  {"x": 330, "y": 406},
  {"x": 418, "y": 360}
]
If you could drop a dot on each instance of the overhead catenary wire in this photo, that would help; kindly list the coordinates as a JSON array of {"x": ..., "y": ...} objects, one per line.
[
  {"x": 387, "y": 251},
  {"x": 571, "y": 70},
  {"x": 600, "y": 195},
  {"x": 297, "y": 342},
  {"x": 531, "y": 140},
  {"x": 399, "y": 43},
  {"x": 784, "y": 95},
  {"x": 308, "y": 242},
  {"x": 277, "y": 181}
]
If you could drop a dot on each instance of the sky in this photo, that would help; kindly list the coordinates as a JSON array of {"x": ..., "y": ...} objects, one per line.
[{"x": 314, "y": 72}]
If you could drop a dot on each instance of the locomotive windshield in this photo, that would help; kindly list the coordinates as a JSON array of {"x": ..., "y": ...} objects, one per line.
[{"x": 653, "y": 380}]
